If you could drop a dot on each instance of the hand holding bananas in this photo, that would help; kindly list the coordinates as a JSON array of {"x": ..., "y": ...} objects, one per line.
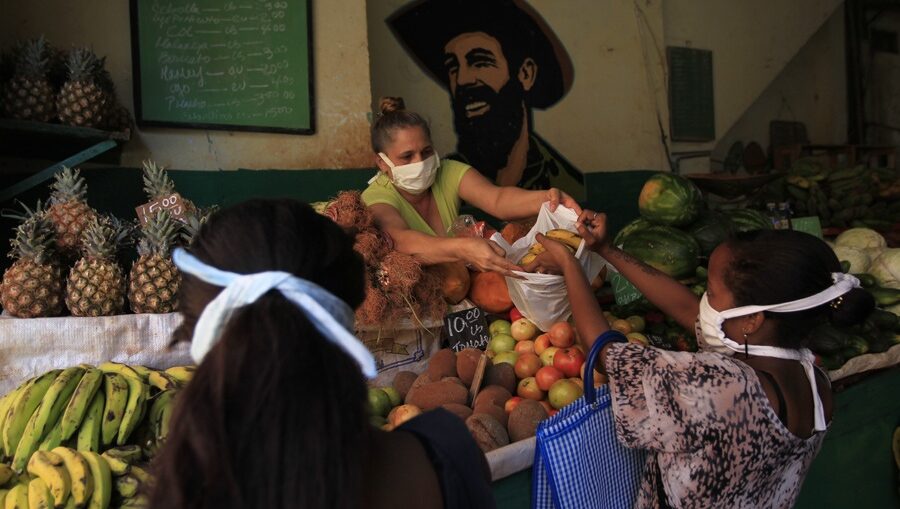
[
  {"x": 592, "y": 228},
  {"x": 556, "y": 249}
]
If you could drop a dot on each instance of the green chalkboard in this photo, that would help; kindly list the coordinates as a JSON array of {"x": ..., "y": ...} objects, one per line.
[
  {"x": 691, "y": 105},
  {"x": 213, "y": 64}
]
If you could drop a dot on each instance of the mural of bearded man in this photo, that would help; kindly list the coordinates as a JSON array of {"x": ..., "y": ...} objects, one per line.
[{"x": 498, "y": 59}]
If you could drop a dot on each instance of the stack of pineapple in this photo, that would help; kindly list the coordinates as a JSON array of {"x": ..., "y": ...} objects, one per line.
[
  {"x": 43, "y": 84},
  {"x": 67, "y": 253}
]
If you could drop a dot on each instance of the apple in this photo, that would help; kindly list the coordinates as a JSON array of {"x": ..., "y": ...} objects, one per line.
[
  {"x": 514, "y": 314},
  {"x": 547, "y": 376},
  {"x": 563, "y": 392},
  {"x": 529, "y": 389},
  {"x": 512, "y": 403},
  {"x": 548, "y": 354},
  {"x": 523, "y": 329},
  {"x": 569, "y": 361},
  {"x": 379, "y": 402},
  {"x": 637, "y": 323},
  {"x": 562, "y": 335},
  {"x": 637, "y": 337},
  {"x": 394, "y": 395},
  {"x": 502, "y": 343},
  {"x": 541, "y": 343},
  {"x": 623, "y": 326},
  {"x": 498, "y": 327},
  {"x": 507, "y": 357},
  {"x": 526, "y": 346},
  {"x": 403, "y": 413},
  {"x": 527, "y": 365}
]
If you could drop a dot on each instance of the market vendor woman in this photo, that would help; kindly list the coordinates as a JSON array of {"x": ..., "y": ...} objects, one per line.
[{"x": 416, "y": 196}]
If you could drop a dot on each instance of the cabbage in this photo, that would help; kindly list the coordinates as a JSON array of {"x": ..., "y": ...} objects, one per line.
[
  {"x": 859, "y": 260},
  {"x": 861, "y": 238},
  {"x": 886, "y": 268}
]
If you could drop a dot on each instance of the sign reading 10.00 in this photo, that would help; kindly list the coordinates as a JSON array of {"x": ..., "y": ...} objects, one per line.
[{"x": 466, "y": 329}]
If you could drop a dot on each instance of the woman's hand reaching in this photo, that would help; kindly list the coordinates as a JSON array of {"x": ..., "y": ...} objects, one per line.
[{"x": 485, "y": 256}]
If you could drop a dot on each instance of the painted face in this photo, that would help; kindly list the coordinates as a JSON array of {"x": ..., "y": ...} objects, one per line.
[{"x": 473, "y": 60}]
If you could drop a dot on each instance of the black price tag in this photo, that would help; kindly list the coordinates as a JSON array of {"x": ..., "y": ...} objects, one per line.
[{"x": 466, "y": 329}]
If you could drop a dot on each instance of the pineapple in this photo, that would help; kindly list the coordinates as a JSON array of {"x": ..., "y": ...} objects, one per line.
[
  {"x": 193, "y": 222},
  {"x": 84, "y": 98},
  {"x": 32, "y": 286},
  {"x": 29, "y": 95},
  {"x": 96, "y": 285},
  {"x": 68, "y": 211},
  {"x": 158, "y": 185},
  {"x": 154, "y": 279}
]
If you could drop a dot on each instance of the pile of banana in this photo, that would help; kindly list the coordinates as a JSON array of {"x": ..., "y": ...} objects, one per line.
[
  {"x": 569, "y": 239},
  {"x": 54, "y": 427}
]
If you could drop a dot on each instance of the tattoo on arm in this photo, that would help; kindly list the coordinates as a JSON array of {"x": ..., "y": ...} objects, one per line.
[{"x": 627, "y": 258}]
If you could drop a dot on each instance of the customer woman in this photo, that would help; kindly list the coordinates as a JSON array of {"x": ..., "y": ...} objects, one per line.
[
  {"x": 276, "y": 415},
  {"x": 737, "y": 424},
  {"x": 416, "y": 195}
]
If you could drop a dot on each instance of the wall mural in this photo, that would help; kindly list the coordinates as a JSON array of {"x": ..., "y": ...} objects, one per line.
[{"x": 499, "y": 60}]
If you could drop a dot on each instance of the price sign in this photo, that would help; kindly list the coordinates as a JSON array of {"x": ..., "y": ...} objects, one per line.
[
  {"x": 624, "y": 291},
  {"x": 466, "y": 329},
  {"x": 174, "y": 204},
  {"x": 810, "y": 225}
]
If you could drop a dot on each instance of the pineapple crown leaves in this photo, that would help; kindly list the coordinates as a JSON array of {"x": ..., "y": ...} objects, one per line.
[
  {"x": 34, "y": 240},
  {"x": 26, "y": 213},
  {"x": 84, "y": 65},
  {"x": 33, "y": 59},
  {"x": 68, "y": 186},
  {"x": 103, "y": 236},
  {"x": 193, "y": 222},
  {"x": 158, "y": 235},
  {"x": 156, "y": 181}
]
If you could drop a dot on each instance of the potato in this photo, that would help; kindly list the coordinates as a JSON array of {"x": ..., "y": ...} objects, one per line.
[
  {"x": 487, "y": 432},
  {"x": 442, "y": 364},
  {"x": 524, "y": 419},
  {"x": 435, "y": 394},
  {"x": 467, "y": 363}
]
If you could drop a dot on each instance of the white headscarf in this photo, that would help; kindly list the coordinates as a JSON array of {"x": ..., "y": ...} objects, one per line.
[{"x": 329, "y": 314}]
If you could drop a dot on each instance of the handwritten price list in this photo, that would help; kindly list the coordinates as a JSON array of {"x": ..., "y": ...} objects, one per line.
[{"x": 242, "y": 62}]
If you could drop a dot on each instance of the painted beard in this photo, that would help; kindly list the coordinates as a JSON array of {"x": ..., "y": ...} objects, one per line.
[{"x": 486, "y": 140}]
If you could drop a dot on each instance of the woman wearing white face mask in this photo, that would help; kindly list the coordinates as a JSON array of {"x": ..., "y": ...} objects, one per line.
[
  {"x": 738, "y": 423},
  {"x": 416, "y": 195}
]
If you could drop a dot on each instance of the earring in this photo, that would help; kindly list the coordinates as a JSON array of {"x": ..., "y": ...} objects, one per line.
[{"x": 746, "y": 335}]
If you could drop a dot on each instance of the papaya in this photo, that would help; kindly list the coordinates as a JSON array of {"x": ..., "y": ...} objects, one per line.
[{"x": 489, "y": 292}]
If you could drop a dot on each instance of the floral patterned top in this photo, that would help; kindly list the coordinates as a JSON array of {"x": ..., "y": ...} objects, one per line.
[{"x": 714, "y": 439}]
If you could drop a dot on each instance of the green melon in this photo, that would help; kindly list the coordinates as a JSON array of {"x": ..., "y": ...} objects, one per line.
[
  {"x": 745, "y": 220},
  {"x": 626, "y": 230},
  {"x": 669, "y": 199},
  {"x": 709, "y": 230},
  {"x": 667, "y": 249}
]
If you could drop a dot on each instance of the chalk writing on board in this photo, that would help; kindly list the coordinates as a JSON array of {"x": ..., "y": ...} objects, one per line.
[
  {"x": 239, "y": 62},
  {"x": 466, "y": 329}
]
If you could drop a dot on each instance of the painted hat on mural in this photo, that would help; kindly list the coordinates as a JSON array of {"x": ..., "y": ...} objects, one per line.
[{"x": 424, "y": 27}]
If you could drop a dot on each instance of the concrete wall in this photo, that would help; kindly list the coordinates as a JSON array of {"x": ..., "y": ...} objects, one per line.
[
  {"x": 341, "y": 102},
  {"x": 811, "y": 89},
  {"x": 608, "y": 121}
]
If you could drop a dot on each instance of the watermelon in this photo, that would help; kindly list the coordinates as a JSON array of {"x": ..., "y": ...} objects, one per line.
[
  {"x": 710, "y": 230},
  {"x": 669, "y": 199},
  {"x": 745, "y": 220},
  {"x": 626, "y": 230},
  {"x": 667, "y": 249}
]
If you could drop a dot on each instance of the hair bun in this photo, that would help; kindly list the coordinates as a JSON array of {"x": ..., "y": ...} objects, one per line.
[
  {"x": 390, "y": 104},
  {"x": 851, "y": 308}
]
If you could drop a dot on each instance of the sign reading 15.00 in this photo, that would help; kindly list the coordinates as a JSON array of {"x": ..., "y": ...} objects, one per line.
[{"x": 466, "y": 329}]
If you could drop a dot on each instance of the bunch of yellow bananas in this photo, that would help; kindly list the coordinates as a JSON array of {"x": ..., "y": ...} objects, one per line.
[
  {"x": 93, "y": 409},
  {"x": 569, "y": 239}
]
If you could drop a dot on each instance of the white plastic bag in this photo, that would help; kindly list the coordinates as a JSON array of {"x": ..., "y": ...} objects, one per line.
[{"x": 542, "y": 298}]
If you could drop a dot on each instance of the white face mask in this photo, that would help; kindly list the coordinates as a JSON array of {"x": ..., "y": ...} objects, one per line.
[
  {"x": 712, "y": 338},
  {"x": 414, "y": 178}
]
